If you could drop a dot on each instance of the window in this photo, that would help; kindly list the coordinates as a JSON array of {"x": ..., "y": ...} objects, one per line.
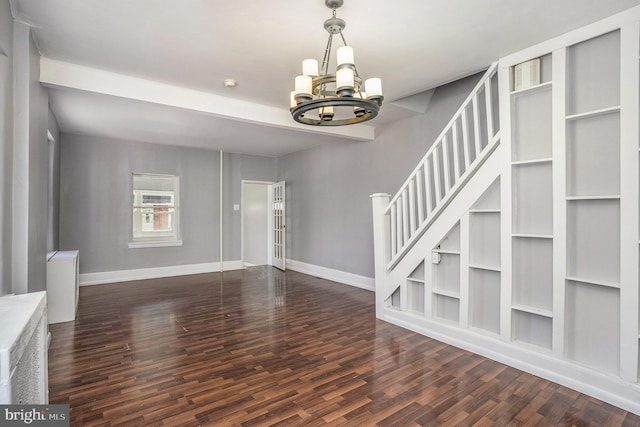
[{"x": 155, "y": 211}]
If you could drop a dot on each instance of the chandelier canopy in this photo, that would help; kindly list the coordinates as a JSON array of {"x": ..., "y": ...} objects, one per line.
[{"x": 324, "y": 99}]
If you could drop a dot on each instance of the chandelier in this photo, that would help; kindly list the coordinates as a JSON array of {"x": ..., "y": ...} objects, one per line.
[{"x": 324, "y": 99}]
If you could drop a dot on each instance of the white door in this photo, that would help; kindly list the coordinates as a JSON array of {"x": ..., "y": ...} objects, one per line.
[
  {"x": 256, "y": 228},
  {"x": 278, "y": 254}
]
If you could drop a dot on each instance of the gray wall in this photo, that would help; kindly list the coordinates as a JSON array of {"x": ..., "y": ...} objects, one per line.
[
  {"x": 329, "y": 220},
  {"x": 6, "y": 146},
  {"x": 95, "y": 201},
  {"x": 236, "y": 168},
  {"x": 30, "y": 166}
]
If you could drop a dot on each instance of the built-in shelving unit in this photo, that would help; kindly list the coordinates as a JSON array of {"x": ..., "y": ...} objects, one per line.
[
  {"x": 532, "y": 211},
  {"x": 545, "y": 268},
  {"x": 445, "y": 260},
  {"x": 484, "y": 261},
  {"x": 593, "y": 203}
]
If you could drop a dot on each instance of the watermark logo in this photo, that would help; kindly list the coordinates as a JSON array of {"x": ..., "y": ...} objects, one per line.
[{"x": 34, "y": 415}]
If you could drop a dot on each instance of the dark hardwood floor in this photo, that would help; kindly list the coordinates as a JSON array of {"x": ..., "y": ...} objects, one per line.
[{"x": 262, "y": 347}]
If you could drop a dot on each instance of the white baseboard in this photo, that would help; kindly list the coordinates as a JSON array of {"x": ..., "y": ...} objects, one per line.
[
  {"x": 104, "y": 277},
  {"x": 600, "y": 385},
  {"x": 343, "y": 277}
]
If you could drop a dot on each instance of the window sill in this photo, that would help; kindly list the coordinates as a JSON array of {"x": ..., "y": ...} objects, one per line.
[{"x": 154, "y": 244}]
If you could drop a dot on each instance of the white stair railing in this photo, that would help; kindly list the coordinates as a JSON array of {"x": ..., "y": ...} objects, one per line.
[{"x": 461, "y": 148}]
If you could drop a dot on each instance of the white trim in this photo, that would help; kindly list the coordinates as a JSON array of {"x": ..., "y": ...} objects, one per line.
[
  {"x": 343, "y": 277},
  {"x": 220, "y": 213},
  {"x": 104, "y": 277},
  {"x": 154, "y": 244},
  {"x": 559, "y": 196},
  {"x": 629, "y": 212},
  {"x": 594, "y": 383}
]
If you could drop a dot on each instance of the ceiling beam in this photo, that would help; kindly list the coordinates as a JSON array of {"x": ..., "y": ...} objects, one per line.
[{"x": 64, "y": 74}]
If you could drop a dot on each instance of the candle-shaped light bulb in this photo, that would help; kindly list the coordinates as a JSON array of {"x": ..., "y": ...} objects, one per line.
[
  {"x": 326, "y": 113},
  {"x": 292, "y": 99},
  {"x": 345, "y": 55},
  {"x": 373, "y": 87},
  {"x": 344, "y": 78},
  {"x": 303, "y": 85},
  {"x": 310, "y": 67}
]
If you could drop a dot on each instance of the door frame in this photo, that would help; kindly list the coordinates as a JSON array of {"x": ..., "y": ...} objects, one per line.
[{"x": 269, "y": 185}]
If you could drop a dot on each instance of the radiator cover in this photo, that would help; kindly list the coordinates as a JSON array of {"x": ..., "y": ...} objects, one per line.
[{"x": 23, "y": 349}]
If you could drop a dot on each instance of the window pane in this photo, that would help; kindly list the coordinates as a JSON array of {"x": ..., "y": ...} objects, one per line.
[{"x": 155, "y": 210}]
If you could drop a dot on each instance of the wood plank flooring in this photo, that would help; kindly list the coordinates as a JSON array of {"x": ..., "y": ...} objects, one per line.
[{"x": 262, "y": 347}]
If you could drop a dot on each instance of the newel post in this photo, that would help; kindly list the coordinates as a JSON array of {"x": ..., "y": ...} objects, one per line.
[{"x": 379, "y": 202}]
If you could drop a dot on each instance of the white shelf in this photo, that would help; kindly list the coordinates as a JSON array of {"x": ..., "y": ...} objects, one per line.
[
  {"x": 484, "y": 267},
  {"x": 614, "y": 197},
  {"x": 446, "y": 293},
  {"x": 531, "y": 89},
  {"x": 532, "y": 310},
  {"x": 594, "y": 282},
  {"x": 417, "y": 275},
  {"x": 594, "y": 113},
  {"x": 531, "y": 162},
  {"x": 481, "y": 211},
  {"x": 532, "y": 236}
]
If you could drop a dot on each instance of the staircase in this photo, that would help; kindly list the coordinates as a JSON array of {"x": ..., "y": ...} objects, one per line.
[
  {"x": 460, "y": 150},
  {"x": 517, "y": 235}
]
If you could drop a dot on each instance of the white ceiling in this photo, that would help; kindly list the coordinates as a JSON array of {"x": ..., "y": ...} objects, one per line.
[{"x": 413, "y": 45}]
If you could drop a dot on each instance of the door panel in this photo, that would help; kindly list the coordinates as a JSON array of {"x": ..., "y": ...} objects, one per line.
[{"x": 278, "y": 214}]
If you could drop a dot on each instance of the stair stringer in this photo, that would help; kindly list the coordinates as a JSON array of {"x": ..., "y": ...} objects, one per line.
[{"x": 461, "y": 203}]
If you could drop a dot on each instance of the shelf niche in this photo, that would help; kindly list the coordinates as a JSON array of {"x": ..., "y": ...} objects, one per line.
[
  {"x": 447, "y": 308},
  {"x": 532, "y": 190},
  {"x": 484, "y": 251},
  {"x": 593, "y": 74},
  {"x": 533, "y": 272},
  {"x": 484, "y": 295},
  {"x": 446, "y": 276},
  {"x": 532, "y": 329},
  {"x": 593, "y": 155},
  {"x": 531, "y": 124},
  {"x": 593, "y": 240},
  {"x": 415, "y": 290},
  {"x": 394, "y": 299},
  {"x": 593, "y": 340}
]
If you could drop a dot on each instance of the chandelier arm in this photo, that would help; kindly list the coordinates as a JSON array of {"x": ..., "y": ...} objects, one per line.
[{"x": 327, "y": 55}]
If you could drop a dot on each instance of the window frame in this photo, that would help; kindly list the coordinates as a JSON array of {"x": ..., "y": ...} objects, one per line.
[{"x": 150, "y": 241}]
